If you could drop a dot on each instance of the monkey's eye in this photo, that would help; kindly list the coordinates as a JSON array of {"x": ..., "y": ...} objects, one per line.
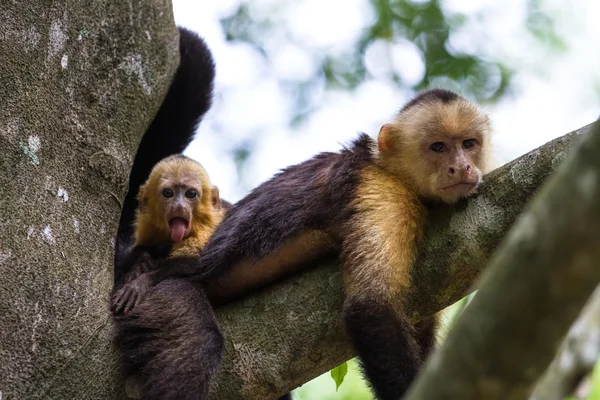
[
  {"x": 467, "y": 144},
  {"x": 167, "y": 193},
  {"x": 437, "y": 147},
  {"x": 190, "y": 194}
]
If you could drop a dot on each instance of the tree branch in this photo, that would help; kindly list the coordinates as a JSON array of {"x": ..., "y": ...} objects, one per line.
[
  {"x": 292, "y": 332},
  {"x": 534, "y": 288},
  {"x": 577, "y": 356}
]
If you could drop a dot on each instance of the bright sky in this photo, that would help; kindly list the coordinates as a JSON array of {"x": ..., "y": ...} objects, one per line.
[{"x": 553, "y": 94}]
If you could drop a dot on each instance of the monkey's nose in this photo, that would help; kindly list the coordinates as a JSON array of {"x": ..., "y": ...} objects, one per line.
[
  {"x": 180, "y": 208},
  {"x": 464, "y": 170}
]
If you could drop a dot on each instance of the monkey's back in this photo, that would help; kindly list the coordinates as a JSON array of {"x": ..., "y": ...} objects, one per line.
[{"x": 286, "y": 223}]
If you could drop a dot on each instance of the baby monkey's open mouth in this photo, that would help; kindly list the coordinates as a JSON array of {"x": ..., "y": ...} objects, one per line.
[{"x": 178, "y": 227}]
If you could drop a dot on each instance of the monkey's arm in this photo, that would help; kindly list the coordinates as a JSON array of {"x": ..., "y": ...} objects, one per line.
[
  {"x": 378, "y": 254},
  {"x": 130, "y": 262},
  {"x": 190, "y": 267},
  {"x": 127, "y": 295}
]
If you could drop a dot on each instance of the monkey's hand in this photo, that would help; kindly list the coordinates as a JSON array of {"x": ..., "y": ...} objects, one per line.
[{"x": 130, "y": 294}]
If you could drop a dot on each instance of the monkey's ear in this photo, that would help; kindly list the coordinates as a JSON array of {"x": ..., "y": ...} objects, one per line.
[
  {"x": 142, "y": 199},
  {"x": 385, "y": 140},
  {"x": 216, "y": 198}
]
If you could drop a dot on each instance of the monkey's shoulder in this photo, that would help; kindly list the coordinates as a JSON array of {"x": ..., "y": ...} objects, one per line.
[{"x": 382, "y": 197}]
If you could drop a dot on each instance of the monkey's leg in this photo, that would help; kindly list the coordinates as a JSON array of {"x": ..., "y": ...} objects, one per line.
[
  {"x": 385, "y": 342},
  {"x": 171, "y": 342}
]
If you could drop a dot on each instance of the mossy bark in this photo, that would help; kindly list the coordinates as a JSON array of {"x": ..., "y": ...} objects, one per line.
[
  {"x": 292, "y": 332},
  {"x": 79, "y": 83}
]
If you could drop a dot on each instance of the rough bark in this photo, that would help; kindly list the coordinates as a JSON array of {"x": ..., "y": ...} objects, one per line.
[
  {"x": 79, "y": 83},
  {"x": 290, "y": 333},
  {"x": 533, "y": 289}
]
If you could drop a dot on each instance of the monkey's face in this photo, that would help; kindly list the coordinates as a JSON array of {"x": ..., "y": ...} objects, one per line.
[
  {"x": 177, "y": 200},
  {"x": 440, "y": 149},
  {"x": 170, "y": 199},
  {"x": 453, "y": 164}
]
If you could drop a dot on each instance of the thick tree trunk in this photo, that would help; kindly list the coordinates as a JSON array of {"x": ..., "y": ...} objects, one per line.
[
  {"x": 79, "y": 83},
  {"x": 292, "y": 332}
]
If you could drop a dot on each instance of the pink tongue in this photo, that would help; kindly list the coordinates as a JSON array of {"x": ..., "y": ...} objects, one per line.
[{"x": 177, "y": 226}]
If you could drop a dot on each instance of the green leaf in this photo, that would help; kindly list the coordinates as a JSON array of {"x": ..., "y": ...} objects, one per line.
[
  {"x": 338, "y": 374},
  {"x": 595, "y": 390}
]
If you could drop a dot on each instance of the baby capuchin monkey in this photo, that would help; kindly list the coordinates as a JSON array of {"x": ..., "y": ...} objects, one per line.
[
  {"x": 178, "y": 206},
  {"x": 178, "y": 211},
  {"x": 368, "y": 205}
]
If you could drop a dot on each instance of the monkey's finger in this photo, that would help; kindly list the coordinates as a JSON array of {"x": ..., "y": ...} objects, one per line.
[
  {"x": 121, "y": 299},
  {"x": 114, "y": 306},
  {"x": 137, "y": 301},
  {"x": 114, "y": 300},
  {"x": 130, "y": 302}
]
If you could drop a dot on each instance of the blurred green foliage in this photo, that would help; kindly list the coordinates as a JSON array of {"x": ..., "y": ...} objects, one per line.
[
  {"x": 324, "y": 388},
  {"x": 595, "y": 390},
  {"x": 424, "y": 23}
]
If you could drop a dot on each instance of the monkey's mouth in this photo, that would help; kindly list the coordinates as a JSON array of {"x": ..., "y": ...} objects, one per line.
[
  {"x": 178, "y": 227},
  {"x": 461, "y": 187}
]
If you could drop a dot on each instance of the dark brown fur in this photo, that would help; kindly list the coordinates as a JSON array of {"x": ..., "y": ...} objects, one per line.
[
  {"x": 364, "y": 204},
  {"x": 171, "y": 344}
]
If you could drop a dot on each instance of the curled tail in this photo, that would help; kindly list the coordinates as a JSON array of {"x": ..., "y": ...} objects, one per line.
[{"x": 188, "y": 99}]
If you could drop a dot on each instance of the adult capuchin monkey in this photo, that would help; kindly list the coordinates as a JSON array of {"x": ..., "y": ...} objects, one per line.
[{"x": 366, "y": 203}]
